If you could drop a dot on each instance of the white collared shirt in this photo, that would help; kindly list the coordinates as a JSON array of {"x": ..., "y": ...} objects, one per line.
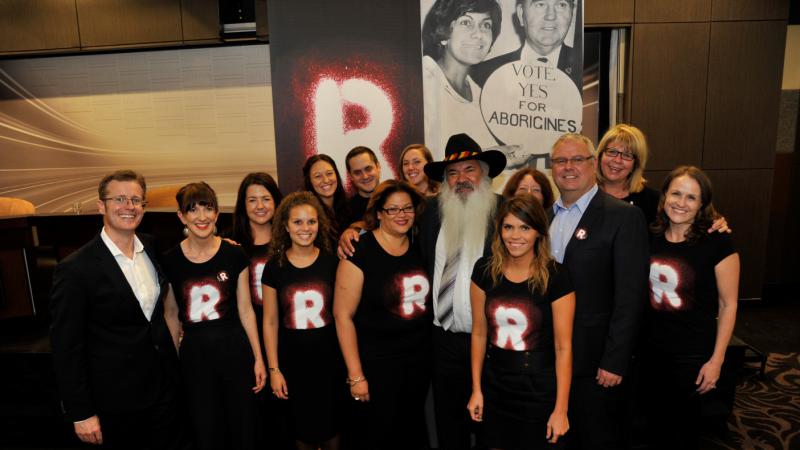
[
  {"x": 530, "y": 57},
  {"x": 462, "y": 308},
  {"x": 565, "y": 220},
  {"x": 139, "y": 271}
]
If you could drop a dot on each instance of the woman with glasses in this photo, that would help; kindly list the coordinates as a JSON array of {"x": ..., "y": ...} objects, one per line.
[
  {"x": 382, "y": 307},
  {"x": 531, "y": 182},
  {"x": 305, "y": 366},
  {"x": 209, "y": 302},
  {"x": 522, "y": 310},
  {"x": 694, "y": 280},
  {"x": 621, "y": 161}
]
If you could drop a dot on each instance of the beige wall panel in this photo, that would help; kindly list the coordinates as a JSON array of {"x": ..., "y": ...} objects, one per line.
[
  {"x": 608, "y": 11},
  {"x": 673, "y": 10},
  {"x": 750, "y": 10},
  {"x": 37, "y": 25},
  {"x": 200, "y": 19},
  {"x": 125, "y": 22},
  {"x": 668, "y": 90},
  {"x": 744, "y": 84}
]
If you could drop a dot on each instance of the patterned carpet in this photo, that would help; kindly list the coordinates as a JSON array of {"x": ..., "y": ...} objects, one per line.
[{"x": 766, "y": 412}]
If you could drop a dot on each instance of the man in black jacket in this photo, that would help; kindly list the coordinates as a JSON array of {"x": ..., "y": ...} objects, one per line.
[
  {"x": 455, "y": 230},
  {"x": 115, "y": 362},
  {"x": 542, "y": 26},
  {"x": 603, "y": 243}
]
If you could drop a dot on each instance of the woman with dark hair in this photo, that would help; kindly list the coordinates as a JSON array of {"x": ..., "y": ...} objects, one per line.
[
  {"x": 456, "y": 35},
  {"x": 209, "y": 302},
  {"x": 531, "y": 182},
  {"x": 412, "y": 163},
  {"x": 382, "y": 307},
  {"x": 694, "y": 281},
  {"x": 522, "y": 310},
  {"x": 321, "y": 177},
  {"x": 299, "y": 335},
  {"x": 256, "y": 201}
]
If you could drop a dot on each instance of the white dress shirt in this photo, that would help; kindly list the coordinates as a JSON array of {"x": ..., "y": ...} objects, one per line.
[
  {"x": 462, "y": 308},
  {"x": 139, "y": 271}
]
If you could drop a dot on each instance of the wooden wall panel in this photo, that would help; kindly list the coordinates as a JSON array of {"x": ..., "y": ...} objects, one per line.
[
  {"x": 262, "y": 20},
  {"x": 41, "y": 25},
  {"x": 673, "y": 10},
  {"x": 126, "y": 22},
  {"x": 744, "y": 83},
  {"x": 200, "y": 19},
  {"x": 743, "y": 197},
  {"x": 750, "y": 10},
  {"x": 668, "y": 90},
  {"x": 608, "y": 11}
]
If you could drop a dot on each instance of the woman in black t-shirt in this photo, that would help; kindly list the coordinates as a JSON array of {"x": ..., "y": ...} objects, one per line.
[
  {"x": 522, "y": 311},
  {"x": 694, "y": 279},
  {"x": 256, "y": 201},
  {"x": 299, "y": 334},
  {"x": 209, "y": 302},
  {"x": 383, "y": 317}
]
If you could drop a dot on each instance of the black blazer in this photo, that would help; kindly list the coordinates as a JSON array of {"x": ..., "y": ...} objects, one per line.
[
  {"x": 108, "y": 358},
  {"x": 567, "y": 63},
  {"x": 609, "y": 270}
]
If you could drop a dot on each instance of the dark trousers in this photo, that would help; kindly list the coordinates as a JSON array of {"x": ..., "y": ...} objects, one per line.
[
  {"x": 217, "y": 365},
  {"x": 394, "y": 418},
  {"x": 161, "y": 426},
  {"x": 676, "y": 413},
  {"x": 452, "y": 387},
  {"x": 596, "y": 415}
]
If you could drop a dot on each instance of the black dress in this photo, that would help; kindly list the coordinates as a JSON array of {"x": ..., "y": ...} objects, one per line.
[
  {"x": 393, "y": 325},
  {"x": 519, "y": 378},
  {"x": 308, "y": 348},
  {"x": 680, "y": 335},
  {"x": 215, "y": 355}
]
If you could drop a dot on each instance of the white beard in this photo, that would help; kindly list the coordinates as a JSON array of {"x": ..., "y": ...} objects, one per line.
[{"x": 466, "y": 221}]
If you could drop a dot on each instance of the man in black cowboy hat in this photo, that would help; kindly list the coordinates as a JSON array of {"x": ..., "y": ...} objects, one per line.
[{"x": 456, "y": 230}]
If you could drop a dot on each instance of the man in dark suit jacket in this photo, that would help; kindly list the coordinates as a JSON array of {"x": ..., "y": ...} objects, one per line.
[
  {"x": 115, "y": 361},
  {"x": 461, "y": 217},
  {"x": 542, "y": 25},
  {"x": 603, "y": 243}
]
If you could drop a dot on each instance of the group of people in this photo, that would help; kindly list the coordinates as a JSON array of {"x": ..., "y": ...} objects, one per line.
[{"x": 527, "y": 314}]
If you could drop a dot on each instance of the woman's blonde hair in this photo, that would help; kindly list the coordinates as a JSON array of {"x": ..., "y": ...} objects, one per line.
[
  {"x": 634, "y": 141},
  {"x": 529, "y": 211}
]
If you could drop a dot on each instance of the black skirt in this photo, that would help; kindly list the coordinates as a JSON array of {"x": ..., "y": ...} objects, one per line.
[
  {"x": 519, "y": 394},
  {"x": 312, "y": 366}
]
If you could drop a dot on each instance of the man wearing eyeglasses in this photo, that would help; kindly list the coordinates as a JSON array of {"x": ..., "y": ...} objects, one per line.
[
  {"x": 115, "y": 362},
  {"x": 603, "y": 243}
]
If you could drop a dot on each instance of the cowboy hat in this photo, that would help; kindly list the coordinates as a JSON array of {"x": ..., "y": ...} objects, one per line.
[{"x": 461, "y": 147}]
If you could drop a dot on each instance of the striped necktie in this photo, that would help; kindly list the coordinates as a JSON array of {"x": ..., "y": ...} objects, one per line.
[{"x": 447, "y": 290}]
